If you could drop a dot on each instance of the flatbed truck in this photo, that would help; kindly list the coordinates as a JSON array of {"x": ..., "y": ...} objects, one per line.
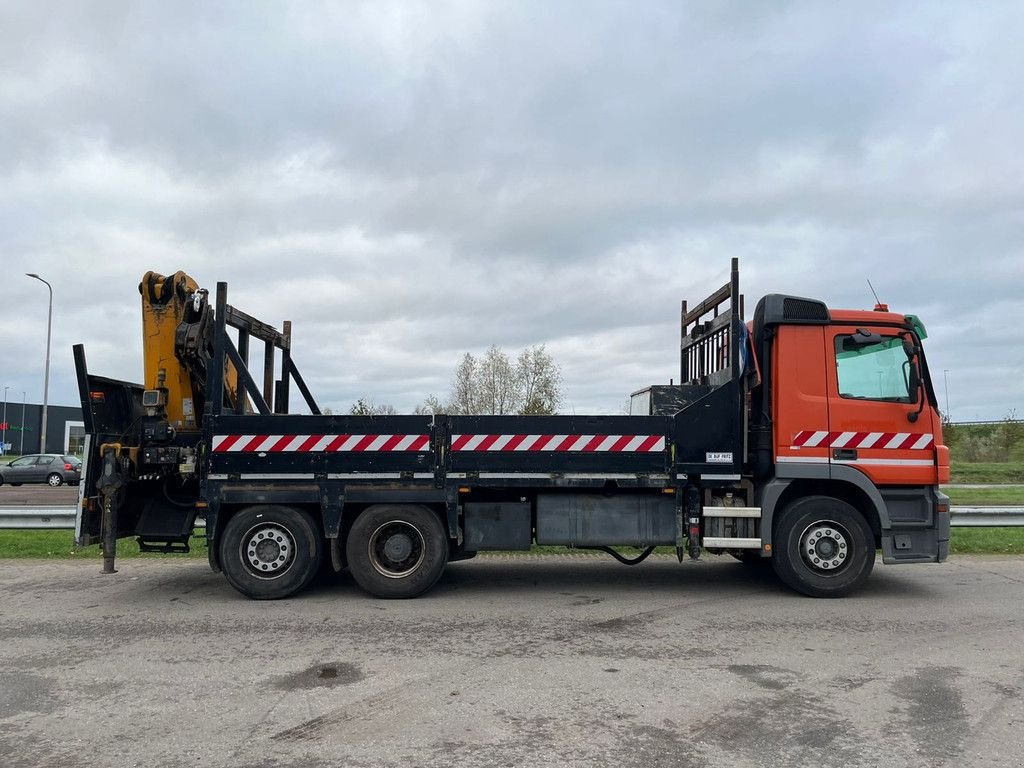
[{"x": 807, "y": 438}]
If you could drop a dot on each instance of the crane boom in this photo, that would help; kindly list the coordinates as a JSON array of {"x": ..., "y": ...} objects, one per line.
[{"x": 177, "y": 337}]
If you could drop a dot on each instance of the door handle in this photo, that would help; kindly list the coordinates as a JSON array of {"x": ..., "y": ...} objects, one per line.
[{"x": 844, "y": 454}]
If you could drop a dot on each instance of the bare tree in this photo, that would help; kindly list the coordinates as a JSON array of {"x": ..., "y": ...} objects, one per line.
[
  {"x": 540, "y": 381},
  {"x": 431, "y": 405},
  {"x": 366, "y": 407},
  {"x": 495, "y": 385},
  {"x": 498, "y": 390},
  {"x": 491, "y": 384},
  {"x": 464, "y": 398}
]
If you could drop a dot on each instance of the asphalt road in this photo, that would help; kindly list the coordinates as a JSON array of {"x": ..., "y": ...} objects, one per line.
[
  {"x": 526, "y": 661},
  {"x": 40, "y": 495}
]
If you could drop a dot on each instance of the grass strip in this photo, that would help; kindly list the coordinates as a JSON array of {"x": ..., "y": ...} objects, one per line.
[
  {"x": 991, "y": 497},
  {"x": 988, "y": 541},
  {"x": 58, "y": 545},
  {"x": 993, "y": 472}
]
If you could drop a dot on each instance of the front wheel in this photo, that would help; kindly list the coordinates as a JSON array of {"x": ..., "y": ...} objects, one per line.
[
  {"x": 269, "y": 552},
  {"x": 55, "y": 480},
  {"x": 823, "y": 547},
  {"x": 397, "y": 550}
]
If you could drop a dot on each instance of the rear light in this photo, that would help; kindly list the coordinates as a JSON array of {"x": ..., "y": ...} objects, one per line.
[{"x": 942, "y": 507}]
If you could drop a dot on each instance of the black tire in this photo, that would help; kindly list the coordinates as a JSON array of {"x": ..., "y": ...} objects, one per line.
[
  {"x": 397, "y": 550},
  {"x": 823, "y": 547},
  {"x": 54, "y": 480},
  {"x": 269, "y": 552}
]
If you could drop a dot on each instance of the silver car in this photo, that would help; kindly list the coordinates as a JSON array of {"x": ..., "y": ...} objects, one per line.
[{"x": 53, "y": 469}]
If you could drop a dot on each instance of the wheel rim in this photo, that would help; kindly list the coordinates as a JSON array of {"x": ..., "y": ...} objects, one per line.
[
  {"x": 396, "y": 549},
  {"x": 268, "y": 550},
  {"x": 55, "y": 480},
  {"x": 825, "y": 546}
]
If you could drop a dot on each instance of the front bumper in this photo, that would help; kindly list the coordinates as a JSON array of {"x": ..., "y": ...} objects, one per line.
[{"x": 919, "y": 525}]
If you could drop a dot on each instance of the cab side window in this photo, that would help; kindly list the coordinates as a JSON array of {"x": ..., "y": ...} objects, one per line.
[
  {"x": 879, "y": 371},
  {"x": 46, "y": 460},
  {"x": 26, "y": 462}
]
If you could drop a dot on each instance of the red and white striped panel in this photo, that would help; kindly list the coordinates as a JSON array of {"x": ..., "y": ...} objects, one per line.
[
  {"x": 319, "y": 443},
  {"x": 877, "y": 440},
  {"x": 560, "y": 443}
]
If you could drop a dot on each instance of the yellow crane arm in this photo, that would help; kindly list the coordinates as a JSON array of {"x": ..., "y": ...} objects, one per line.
[{"x": 177, "y": 333}]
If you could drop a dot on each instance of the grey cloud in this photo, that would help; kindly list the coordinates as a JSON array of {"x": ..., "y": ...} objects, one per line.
[{"x": 410, "y": 181}]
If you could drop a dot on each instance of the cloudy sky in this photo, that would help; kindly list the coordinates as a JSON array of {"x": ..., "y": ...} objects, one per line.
[{"x": 410, "y": 181}]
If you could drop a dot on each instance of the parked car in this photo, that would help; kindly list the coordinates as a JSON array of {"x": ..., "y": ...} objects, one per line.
[{"x": 54, "y": 469}]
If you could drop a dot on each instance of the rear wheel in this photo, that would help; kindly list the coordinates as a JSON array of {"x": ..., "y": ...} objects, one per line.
[
  {"x": 823, "y": 547},
  {"x": 397, "y": 550},
  {"x": 54, "y": 480},
  {"x": 269, "y": 552}
]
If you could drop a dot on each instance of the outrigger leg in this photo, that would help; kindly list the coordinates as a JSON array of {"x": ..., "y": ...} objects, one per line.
[{"x": 111, "y": 481}]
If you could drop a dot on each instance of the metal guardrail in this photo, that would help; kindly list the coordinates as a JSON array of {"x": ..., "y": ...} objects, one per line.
[
  {"x": 37, "y": 517},
  {"x": 983, "y": 517},
  {"x": 42, "y": 518}
]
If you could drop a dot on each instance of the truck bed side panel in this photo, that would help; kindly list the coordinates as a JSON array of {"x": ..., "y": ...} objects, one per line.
[
  {"x": 320, "y": 444},
  {"x": 565, "y": 444}
]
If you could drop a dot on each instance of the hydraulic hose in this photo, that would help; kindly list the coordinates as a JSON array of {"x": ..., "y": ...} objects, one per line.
[{"x": 624, "y": 560}]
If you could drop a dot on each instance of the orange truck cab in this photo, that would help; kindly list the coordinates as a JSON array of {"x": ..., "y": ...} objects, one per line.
[
  {"x": 808, "y": 438},
  {"x": 845, "y": 414}
]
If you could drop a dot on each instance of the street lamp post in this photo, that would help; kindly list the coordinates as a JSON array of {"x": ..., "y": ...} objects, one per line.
[
  {"x": 945, "y": 378},
  {"x": 46, "y": 375}
]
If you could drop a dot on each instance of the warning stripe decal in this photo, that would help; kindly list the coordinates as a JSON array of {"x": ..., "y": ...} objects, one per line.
[
  {"x": 890, "y": 441},
  {"x": 320, "y": 443},
  {"x": 559, "y": 443}
]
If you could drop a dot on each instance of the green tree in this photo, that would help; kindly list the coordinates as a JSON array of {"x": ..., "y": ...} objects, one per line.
[
  {"x": 1011, "y": 434},
  {"x": 950, "y": 432}
]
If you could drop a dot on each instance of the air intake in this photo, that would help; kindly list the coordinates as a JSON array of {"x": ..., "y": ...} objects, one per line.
[
  {"x": 804, "y": 309},
  {"x": 776, "y": 309}
]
